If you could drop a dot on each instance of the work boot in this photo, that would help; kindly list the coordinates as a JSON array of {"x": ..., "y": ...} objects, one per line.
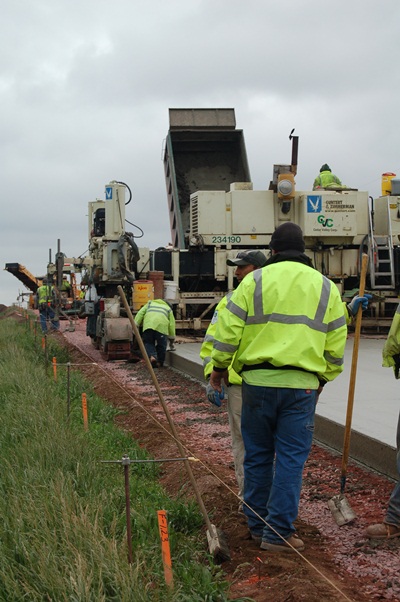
[
  {"x": 153, "y": 362},
  {"x": 382, "y": 531},
  {"x": 291, "y": 544}
]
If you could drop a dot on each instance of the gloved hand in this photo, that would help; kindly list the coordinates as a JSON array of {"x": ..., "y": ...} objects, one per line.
[
  {"x": 214, "y": 396},
  {"x": 356, "y": 302},
  {"x": 171, "y": 343}
]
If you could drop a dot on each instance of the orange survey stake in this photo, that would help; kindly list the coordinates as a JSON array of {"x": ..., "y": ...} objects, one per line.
[
  {"x": 85, "y": 412},
  {"x": 165, "y": 549}
]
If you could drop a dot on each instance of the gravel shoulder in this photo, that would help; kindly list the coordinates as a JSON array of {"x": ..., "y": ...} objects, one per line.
[{"x": 338, "y": 563}]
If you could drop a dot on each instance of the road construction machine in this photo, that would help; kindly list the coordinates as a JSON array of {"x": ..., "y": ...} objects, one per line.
[{"x": 214, "y": 212}]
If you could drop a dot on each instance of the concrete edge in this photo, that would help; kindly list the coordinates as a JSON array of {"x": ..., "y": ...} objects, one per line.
[{"x": 372, "y": 453}]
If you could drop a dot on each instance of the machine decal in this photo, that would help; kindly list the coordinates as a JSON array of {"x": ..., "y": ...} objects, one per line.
[
  {"x": 314, "y": 203},
  {"x": 108, "y": 193},
  {"x": 325, "y": 222},
  {"x": 226, "y": 239}
]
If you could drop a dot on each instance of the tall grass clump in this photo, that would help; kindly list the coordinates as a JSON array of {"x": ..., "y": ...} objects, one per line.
[{"x": 63, "y": 528}]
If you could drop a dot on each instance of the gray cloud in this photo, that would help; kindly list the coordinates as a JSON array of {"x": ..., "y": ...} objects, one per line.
[{"x": 85, "y": 90}]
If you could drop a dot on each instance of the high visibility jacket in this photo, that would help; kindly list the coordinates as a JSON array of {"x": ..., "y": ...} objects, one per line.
[
  {"x": 326, "y": 179},
  {"x": 207, "y": 345},
  {"x": 392, "y": 344},
  {"x": 287, "y": 314},
  {"x": 158, "y": 316},
  {"x": 45, "y": 293}
]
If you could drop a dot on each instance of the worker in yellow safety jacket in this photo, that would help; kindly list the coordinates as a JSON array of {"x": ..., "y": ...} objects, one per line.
[
  {"x": 245, "y": 262},
  {"x": 45, "y": 295},
  {"x": 285, "y": 329},
  {"x": 326, "y": 179},
  {"x": 158, "y": 325},
  {"x": 390, "y": 526}
]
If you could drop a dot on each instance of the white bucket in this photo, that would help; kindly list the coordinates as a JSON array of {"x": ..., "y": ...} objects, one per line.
[
  {"x": 112, "y": 308},
  {"x": 171, "y": 291}
]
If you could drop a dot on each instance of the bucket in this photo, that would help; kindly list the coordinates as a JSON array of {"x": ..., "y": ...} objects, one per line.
[
  {"x": 142, "y": 291},
  {"x": 387, "y": 182},
  {"x": 112, "y": 307},
  {"x": 89, "y": 308},
  {"x": 157, "y": 278},
  {"x": 395, "y": 187},
  {"x": 171, "y": 291}
]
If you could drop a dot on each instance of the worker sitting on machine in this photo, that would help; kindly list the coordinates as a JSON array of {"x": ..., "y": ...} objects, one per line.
[
  {"x": 158, "y": 323},
  {"x": 326, "y": 179}
]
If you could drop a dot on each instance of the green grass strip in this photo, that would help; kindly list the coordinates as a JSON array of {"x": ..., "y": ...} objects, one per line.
[{"x": 63, "y": 528}]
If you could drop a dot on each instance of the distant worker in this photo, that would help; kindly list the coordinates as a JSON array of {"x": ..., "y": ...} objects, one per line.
[
  {"x": 285, "y": 329},
  {"x": 65, "y": 286},
  {"x": 245, "y": 262},
  {"x": 158, "y": 326},
  {"x": 46, "y": 303},
  {"x": 390, "y": 526},
  {"x": 326, "y": 179}
]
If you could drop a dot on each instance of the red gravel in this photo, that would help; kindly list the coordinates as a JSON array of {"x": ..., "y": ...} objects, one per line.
[{"x": 334, "y": 556}]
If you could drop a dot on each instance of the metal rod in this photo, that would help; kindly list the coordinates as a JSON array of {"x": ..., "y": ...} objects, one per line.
[
  {"x": 68, "y": 390},
  {"x": 126, "y": 462}
]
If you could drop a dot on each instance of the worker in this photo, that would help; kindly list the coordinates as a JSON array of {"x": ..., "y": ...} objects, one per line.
[
  {"x": 285, "y": 330},
  {"x": 390, "y": 526},
  {"x": 326, "y": 179},
  {"x": 46, "y": 303},
  {"x": 158, "y": 326},
  {"x": 245, "y": 262},
  {"x": 65, "y": 286}
]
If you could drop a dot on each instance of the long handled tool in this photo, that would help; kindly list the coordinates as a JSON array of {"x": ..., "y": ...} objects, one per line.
[
  {"x": 339, "y": 506},
  {"x": 216, "y": 539}
]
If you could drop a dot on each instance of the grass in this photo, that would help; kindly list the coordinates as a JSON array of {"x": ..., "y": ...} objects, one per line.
[{"x": 63, "y": 528}]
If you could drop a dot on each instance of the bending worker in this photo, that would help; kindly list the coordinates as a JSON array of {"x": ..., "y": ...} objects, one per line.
[
  {"x": 158, "y": 323},
  {"x": 245, "y": 262},
  {"x": 326, "y": 179},
  {"x": 390, "y": 526},
  {"x": 285, "y": 329}
]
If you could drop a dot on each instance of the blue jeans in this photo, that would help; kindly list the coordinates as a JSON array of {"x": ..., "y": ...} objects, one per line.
[
  {"x": 48, "y": 313},
  {"x": 155, "y": 344},
  {"x": 393, "y": 511},
  {"x": 277, "y": 430}
]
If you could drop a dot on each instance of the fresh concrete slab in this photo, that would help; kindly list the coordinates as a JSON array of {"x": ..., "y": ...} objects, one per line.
[{"x": 375, "y": 410}]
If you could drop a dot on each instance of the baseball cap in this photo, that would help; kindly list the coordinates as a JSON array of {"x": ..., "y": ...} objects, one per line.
[{"x": 256, "y": 258}]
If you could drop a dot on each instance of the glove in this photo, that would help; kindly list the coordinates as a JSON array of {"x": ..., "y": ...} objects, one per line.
[
  {"x": 356, "y": 302},
  {"x": 172, "y": 343},
  {"x": 214, "y": 396}
]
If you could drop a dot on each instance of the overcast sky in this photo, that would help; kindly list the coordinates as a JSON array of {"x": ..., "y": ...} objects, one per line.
[{"x": 85, "y": 89}]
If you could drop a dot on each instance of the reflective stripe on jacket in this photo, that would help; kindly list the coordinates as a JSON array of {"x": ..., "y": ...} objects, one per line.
[
  {"x": 392, "y": 344},
  {"x": 288, "y": 314},
  {"x": 157, "y": 315},
  {"x": 45, "y": 293},
  {"x": 326, "y": 179},
  {"x": 207, "y": 345}
]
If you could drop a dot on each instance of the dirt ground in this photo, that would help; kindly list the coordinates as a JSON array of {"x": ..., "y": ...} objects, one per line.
[{"x": 338, "y": 563}]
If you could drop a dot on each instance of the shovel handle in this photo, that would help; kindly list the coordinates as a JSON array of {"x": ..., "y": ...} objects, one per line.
[
  {"x": 353, "y": 373},
  {"x": 165, "y": 408}
]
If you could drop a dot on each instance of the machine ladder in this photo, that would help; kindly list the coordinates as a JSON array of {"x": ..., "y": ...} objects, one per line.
[{"x": 381, "y": 258}]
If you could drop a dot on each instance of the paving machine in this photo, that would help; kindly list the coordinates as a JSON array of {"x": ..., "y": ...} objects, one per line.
[{"x": 214, "y": 212}]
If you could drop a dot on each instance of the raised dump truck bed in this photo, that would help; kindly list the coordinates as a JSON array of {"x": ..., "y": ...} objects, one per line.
[{"x": 203, "y": 151}]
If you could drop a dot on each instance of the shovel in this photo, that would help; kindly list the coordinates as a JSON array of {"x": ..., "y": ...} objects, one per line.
[
  {"x": 338, "y": 505},
  {"x": 216, "y": 539}
]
